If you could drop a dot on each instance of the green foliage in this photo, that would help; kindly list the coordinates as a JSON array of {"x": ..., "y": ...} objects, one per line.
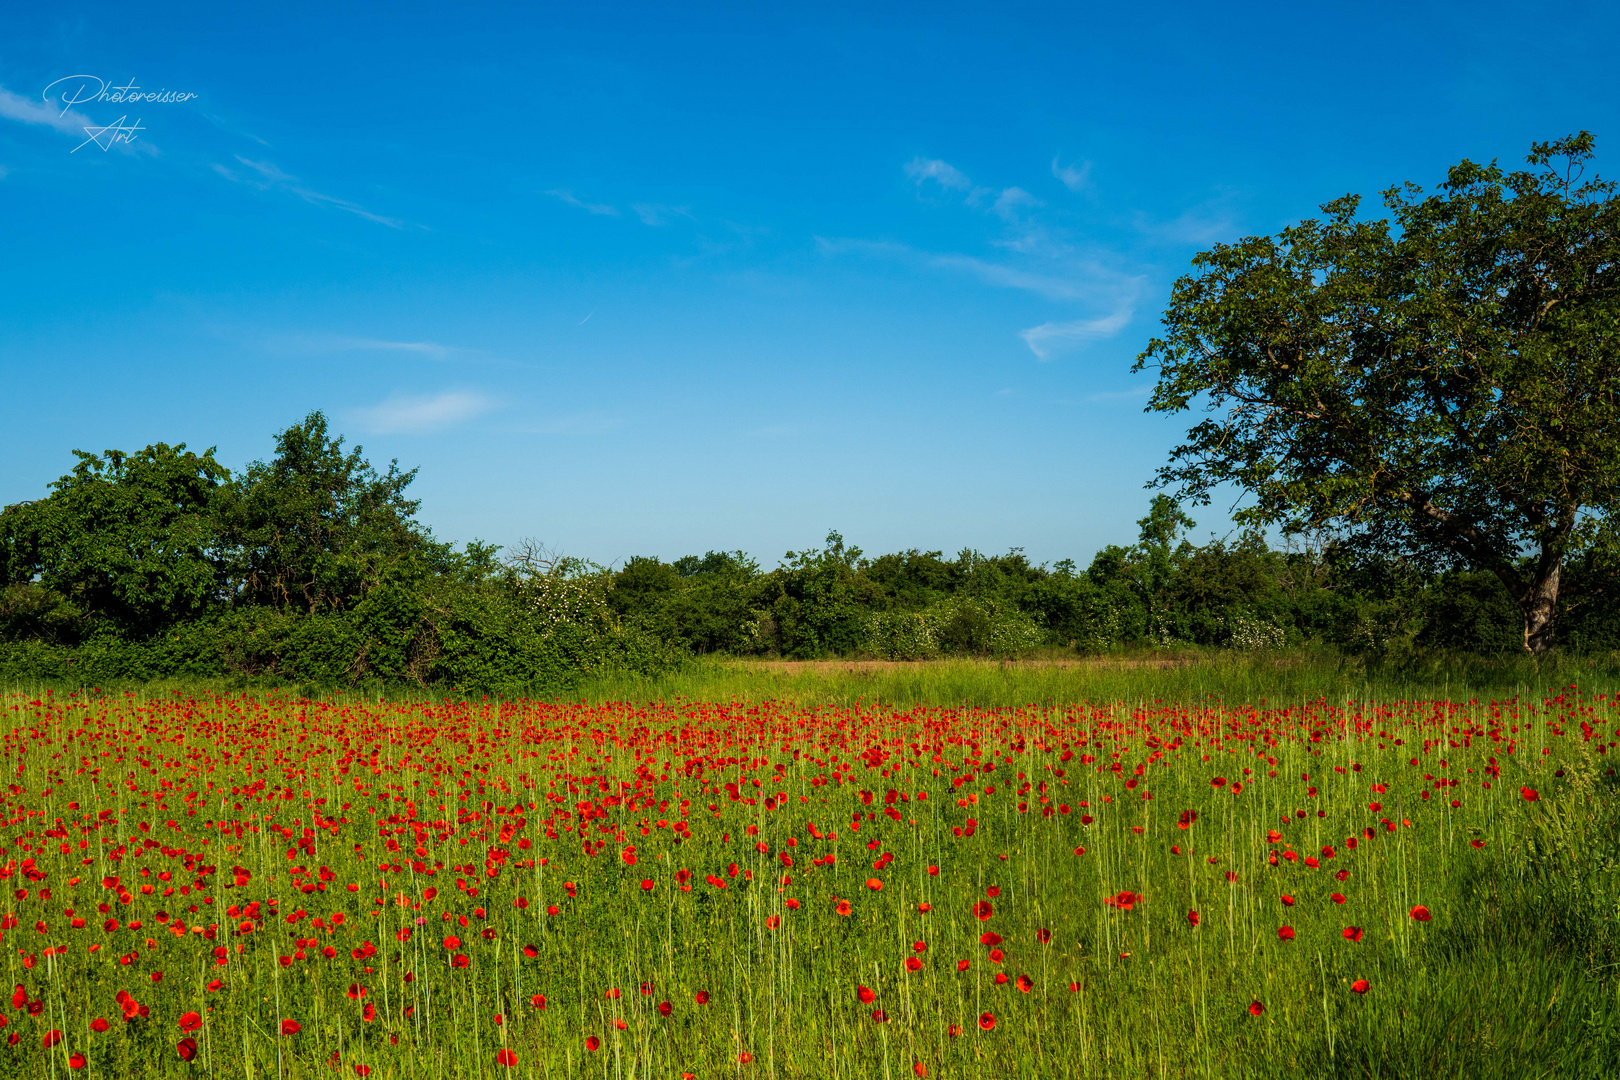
[
  {"x": 960, "y": 626},
  {"x": 131, "y": 538},
  {"x": 316, "y": 528},
  {"x": 1445, "y": 383}
]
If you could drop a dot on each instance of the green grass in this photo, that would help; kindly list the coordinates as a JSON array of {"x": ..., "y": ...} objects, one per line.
[
  {"x": 1514, "y": 976},
  {"x": 1182, "y": 674},
  {"x": 1168, "y": 675}
]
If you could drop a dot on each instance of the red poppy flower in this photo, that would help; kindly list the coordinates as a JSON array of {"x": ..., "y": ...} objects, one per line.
[
  {"x": 1288, "y": 901},
  {"x": 990, "y": 939},
  {"x": 1530, "y": 794},
  {"x": 874, "y": 884},
  {"x": 186, "y": 1048},
  {"x": 1043, "y": 936},
  {"x": 866, "y": 995},
  {"x": 879, "y": 1016},
  {"x": 592, "y": 1043},
  {"x": 982, "y": 910},
  {"x": 702, "y": 997},
  {"x": 362, "y": 1070},
  {"x": 291, "y": 1027},
  {"x": 665, "y": 1008},
  {"x": 1352, "y": 933},
  {"x": 190, "y": 1022},
  {"x": 987, "y": 1021},
  {"x": 1420, "y": 913},
  {"x": 1025, "y": 983},
  {"x": 646, "y": 885},
  {"x": 1192, "y": 918},
  {"x": 538, "y": 1001},
  {"x": 1359, "y": 986},
  {"x": 919, "y": 947},
  {"x": 505, "y": 1057},
  {"x": 452, "y": 942},
  {"x": 1255, "y": 1008},
  {"x": 1285, "y": 933},
  {"x": 52, "y": 1037},
  {"x": 76, "y": 1061},
  {"x": 961, "y": 965},
  {"x": 1337, "y": 898}
]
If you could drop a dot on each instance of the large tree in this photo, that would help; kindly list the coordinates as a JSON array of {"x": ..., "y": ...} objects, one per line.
[
  {"x": 127, "y": 537},
  {"x": 316, "y": 527},
  {"x": 1444, "y": 382}
]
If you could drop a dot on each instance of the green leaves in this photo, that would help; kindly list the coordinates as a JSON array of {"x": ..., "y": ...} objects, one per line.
[
  {"x": 128, "y": 537},
  {"x": 1443, "y": 382}
]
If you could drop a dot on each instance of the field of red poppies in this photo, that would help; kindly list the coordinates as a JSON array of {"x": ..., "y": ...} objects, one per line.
[{"x": 263, "y": 887}]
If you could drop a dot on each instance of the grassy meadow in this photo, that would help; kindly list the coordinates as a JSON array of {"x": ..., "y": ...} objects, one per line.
[{"x": 1215, "y": 867}]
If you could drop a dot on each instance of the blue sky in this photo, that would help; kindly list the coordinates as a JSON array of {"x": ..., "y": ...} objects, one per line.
[{"x": 654, "y": 280}]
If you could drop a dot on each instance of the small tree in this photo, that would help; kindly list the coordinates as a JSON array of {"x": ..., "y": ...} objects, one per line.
[{"x": 1444, "y": 383}]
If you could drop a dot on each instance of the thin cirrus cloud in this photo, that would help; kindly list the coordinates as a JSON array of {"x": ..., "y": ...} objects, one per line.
[
  {"x": 266, "y": 176},
  {"x": 943, "y": 173},
  {"x": 42, "y": 114},
  {"x": 27, "y": 111},
  {"x": 591, "y": 208},
  {"x": 421, "y": 348},
  {"x": 1072, "y": 178},
  {"x": 655, "y": 215},
  {"x": 420, "y": 414},
  {"x": 1045, "y": 264},
  {"x": 1048, "y": 338},
  {"x": 1085, "y": 283},
  {"x": 1051, "y": 286}
]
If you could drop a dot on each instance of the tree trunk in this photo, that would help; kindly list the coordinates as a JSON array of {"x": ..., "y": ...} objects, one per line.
[{"x": 1539, "y": 601}]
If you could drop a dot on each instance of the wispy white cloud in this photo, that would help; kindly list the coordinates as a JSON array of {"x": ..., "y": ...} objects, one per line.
[
  {"x": 1074, "y": 179},
  {"x": 1203, "y": 224},
  {"x": 416, "y": 414},
  {"x": 657, "y": 214},
  {"x": 27, "y": 111},
  {"x": 1012, "y": 202},
  {"x": 1047, "y": 338},
  {"x": 1072, "y": 281},
  {"x": 1051, "y": 286},
  {"x": 593, "y": 208},
  {"x": 943, "y": 173},
  {"x": 267, "y": 176},
  {"x": 43, "y": 114},
  {"x": 424, "y": 348}
]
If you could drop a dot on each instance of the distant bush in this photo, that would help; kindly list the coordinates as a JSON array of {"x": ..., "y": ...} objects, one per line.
[{"x": 965, "y": 626}]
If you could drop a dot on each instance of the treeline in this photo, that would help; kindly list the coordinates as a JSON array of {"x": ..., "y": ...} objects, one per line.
[{"x": 313, "y": 568}]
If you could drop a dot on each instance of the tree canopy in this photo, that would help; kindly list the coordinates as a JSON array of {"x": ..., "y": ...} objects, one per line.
[{"x": 1441, "y": 384}]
